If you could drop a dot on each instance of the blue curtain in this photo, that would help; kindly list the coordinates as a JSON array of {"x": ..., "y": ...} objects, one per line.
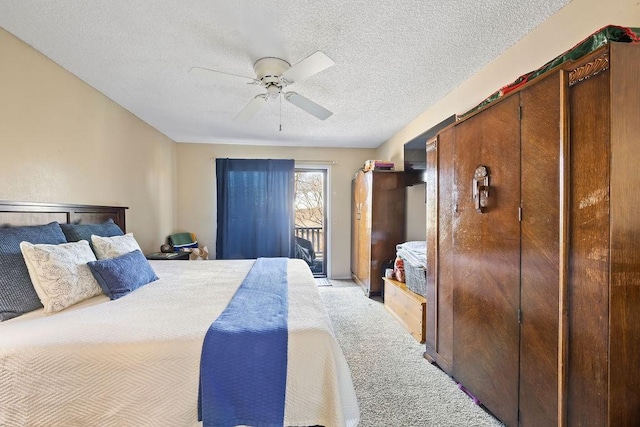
[{"x": 255, "y": 208}]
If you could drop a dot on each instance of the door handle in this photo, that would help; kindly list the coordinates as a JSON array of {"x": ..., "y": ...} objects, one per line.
[{"x": 480, "y": 188}]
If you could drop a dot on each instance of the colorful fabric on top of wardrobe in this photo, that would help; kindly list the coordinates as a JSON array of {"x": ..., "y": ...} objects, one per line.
[{"x": 595, "y": 41}]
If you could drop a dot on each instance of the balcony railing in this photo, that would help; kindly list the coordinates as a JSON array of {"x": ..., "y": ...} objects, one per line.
[{"x": 315, "y": 235}]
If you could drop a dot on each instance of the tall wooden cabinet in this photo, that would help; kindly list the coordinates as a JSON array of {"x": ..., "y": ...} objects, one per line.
[
  {"x": 377, "y": 225},
  {"x": 533, "y": 247}
]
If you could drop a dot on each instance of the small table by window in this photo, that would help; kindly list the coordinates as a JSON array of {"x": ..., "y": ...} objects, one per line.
[{"x": 168, "y": 256}]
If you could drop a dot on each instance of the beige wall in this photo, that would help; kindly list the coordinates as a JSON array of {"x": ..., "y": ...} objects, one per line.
[
  {"x": 62, "y": 141},
  {"x": 416, "y": 213},
  {"x": 562, "y": 31},
  {"x": 197, "y": 190}
]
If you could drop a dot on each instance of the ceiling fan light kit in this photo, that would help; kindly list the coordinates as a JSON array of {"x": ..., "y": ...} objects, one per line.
[
  {"x": 274, "y": 74},
  {"x": 270, "y": 69}
]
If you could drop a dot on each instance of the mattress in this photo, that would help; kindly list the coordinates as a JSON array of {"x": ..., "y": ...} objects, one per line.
[{"x": 135, "y": 361}]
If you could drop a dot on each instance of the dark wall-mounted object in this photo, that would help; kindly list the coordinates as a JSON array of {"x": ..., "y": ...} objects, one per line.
[{"x": 415, "y": 157}]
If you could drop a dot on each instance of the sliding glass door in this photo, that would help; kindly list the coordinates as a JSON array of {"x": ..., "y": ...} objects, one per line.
[{"x": 311, "y": 218}]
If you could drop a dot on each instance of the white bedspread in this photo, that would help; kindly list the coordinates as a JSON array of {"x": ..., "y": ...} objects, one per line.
[{"x": 135, "y": 361}]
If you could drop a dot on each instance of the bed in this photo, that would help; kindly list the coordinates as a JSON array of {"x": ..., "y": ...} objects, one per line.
[{"x": 136, "y": 360}]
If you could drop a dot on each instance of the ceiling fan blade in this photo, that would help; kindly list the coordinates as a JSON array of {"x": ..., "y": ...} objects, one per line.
[
  {"x": 251, "y": 108},
  {"x": 307, "y": 105},
  {"x": 306, "y": 68},
  {"x": 205, "y": 72}
]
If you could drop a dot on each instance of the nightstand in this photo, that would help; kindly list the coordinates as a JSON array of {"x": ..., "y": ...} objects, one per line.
[{"x": 182, "y": 256}]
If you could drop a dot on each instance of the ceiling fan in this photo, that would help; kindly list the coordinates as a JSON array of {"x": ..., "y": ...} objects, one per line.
[{"x": 274, "y": 74}]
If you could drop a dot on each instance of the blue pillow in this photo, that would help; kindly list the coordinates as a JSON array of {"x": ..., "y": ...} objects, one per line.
[
  {"x": 77, "y": 232},
  {"x": 120, "y": 275},
  {"x": 17, "y": 295}
]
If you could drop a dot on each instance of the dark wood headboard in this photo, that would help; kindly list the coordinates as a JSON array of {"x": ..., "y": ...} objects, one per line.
[{"x": 31, "y": 213}]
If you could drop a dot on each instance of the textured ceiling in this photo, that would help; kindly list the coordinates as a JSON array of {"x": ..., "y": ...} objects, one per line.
[{"x": 394, "y": 59}]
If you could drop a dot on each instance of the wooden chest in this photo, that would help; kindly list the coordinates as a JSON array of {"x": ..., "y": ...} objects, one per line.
[{"x": 407, "y": 306}]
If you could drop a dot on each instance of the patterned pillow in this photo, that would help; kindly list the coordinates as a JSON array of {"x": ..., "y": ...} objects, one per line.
[
  {"x": 111, "y": 247},
  {"x": 60, "y": 274},
  {"x": 17, "y": 295},
  {"x": 123, "y": 274},
  {"x": 77, "y": 232}
]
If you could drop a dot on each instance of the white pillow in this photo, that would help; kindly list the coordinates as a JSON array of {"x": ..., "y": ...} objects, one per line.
[
  {"x": 111, "y": 247},
  {"x": 60, "y": 274}
]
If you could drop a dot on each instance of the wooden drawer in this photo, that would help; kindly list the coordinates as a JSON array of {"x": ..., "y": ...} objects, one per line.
[{"x": 407, "y": 306}]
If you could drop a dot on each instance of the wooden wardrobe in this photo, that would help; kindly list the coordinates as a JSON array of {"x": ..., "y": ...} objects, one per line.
[
  {"x": 377, "y": 225},
  {"x": 533, "y": 247}
]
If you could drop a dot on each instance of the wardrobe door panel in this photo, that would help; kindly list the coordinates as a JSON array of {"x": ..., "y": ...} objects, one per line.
[
  {"x": 542, "y": 111},
  {"x": 588, "y": 299},
  {"x": 440, "y": 204},
  {"x": 363, "y": 201},
  {"x": 445, "y": 241},
  {"x": 487, "y": 259},
  {"x": 355, "y": 232},
  {"x": 386, "y": 224},
  {"x": 431, "y": 195},
  {"x": 624, "y": 339}
]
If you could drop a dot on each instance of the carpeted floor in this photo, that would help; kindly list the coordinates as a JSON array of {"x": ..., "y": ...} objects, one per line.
[
  {"x": 323, "y": 281},
  {"x": 394, "y": 384}
]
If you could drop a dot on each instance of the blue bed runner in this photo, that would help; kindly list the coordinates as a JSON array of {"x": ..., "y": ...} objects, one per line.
[{"x": 243, "y": 367}]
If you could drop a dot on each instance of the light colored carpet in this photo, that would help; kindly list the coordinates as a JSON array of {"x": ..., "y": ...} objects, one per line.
[
  {"x": 394, "y": 384},
  {"x": 323, "y": 281}
]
